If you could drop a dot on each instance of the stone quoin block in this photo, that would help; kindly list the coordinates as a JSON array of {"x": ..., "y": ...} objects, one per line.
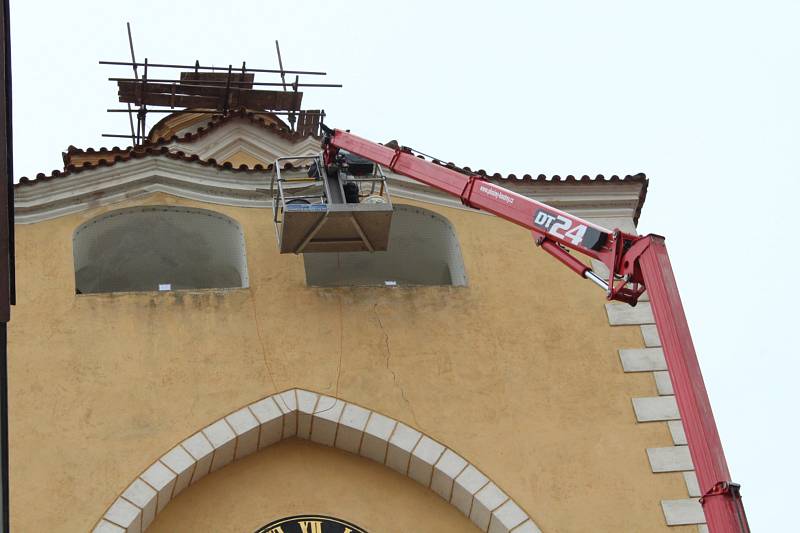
[
  {"x": 506, "y": 517},
  {"x": 449, "y": 466},
  {"x": 351, "y": 428},
  {"x": 670, "y": 459},
  {"x": 401, "y": 443},
  {"x": 683, "y": 512},
  {"x": 245, "y": 425},
  {"x": 650, "y": 335},
  {"x": 620, "y": 314},
  {"x": 677, "y": 432},
  {"x": 163, "y": 480},
  {"x": 201, "y": 450},
  {"x": 663, "y": 383},
  {"x": 661, "y": 408},
  {"x": 426, "y": 453},
  {"x": 486, "y": 500},
  {"x": 179, "y": 461},
  {"x": 466, "y": 485},
  {"x": 326, "y": 420},
  {"x": 692, "y": 484},
  {"x": 306, "y": 403},
  {"x": 223, "y": 439},
  {"x": 376, "y": 437},
  {"x": 145, "y": 498},
  {"x": 657, "y": 408},
  {"x": 124, "y": 514},
  {"x": 642, "y": 359},
  {"x": 270, "y": 417}
]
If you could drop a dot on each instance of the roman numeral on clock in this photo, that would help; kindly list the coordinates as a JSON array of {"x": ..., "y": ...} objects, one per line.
[{"x": 311, "y": 526}]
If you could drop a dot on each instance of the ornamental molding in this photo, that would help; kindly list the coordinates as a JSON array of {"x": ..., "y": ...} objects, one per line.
[
  {"x": 242, "y": 135},
  {"x": 140, "y": 177}
]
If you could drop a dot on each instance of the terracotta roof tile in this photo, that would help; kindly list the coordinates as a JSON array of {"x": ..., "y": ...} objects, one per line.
[
  {"x": 151, "y": 151},
  {"x": 159, "y": 148},
  {"x": 496, "y": 176}
]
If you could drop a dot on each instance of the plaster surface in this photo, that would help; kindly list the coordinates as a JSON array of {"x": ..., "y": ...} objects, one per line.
[{"x": 518, "y": 372}]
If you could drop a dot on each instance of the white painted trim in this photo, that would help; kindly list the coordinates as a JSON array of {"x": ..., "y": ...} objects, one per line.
[{"x": 331, "y": 422}]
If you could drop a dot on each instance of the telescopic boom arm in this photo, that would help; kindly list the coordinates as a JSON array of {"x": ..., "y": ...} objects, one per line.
[
  {"x": 634, "y": 263},
  {"x": 554, "y": 230}
]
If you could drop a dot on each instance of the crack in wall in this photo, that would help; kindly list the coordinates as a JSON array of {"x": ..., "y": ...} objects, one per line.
[
  {"x": 252, "y": 298},
  {"x": 341, "y": 342},
  {"x": 389, "y": 368},
  {"x": 341, "y": 350}
]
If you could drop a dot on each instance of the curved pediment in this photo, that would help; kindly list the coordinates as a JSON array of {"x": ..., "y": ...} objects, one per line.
[
  {"x": 238, "y": 136},
  {"x": 181, "y": 124}
]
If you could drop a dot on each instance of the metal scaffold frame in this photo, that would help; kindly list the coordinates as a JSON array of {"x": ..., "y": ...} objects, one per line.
[{"x": 214, "y": 90}]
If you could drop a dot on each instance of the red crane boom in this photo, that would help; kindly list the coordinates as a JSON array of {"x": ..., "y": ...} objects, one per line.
[{"x": 634, "y": 263}]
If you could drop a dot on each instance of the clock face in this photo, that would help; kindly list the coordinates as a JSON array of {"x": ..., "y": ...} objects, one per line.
[{"x": 310, "y": 524}]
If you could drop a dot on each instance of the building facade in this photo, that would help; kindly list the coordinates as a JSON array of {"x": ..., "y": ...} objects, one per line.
[{"x": 171, "y": 371}]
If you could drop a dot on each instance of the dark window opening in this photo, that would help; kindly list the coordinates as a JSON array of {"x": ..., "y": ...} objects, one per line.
[
  {"x": 423, "y": 250},
  {"x": 153, "y": 248}
]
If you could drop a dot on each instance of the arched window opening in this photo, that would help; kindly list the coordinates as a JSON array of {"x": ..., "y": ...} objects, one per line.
[
  {"x": 423, "y": 250},
  {"x": 154, "y": 248}
]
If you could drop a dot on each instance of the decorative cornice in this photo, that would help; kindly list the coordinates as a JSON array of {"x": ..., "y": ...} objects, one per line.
[
  {"x": 190, "y": 177},
  {"x": 135, "y": 177},
  {"x": 599, "y": 197}
]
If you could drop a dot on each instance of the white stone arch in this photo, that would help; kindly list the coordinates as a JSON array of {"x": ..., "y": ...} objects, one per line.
[{"x": 328, "y": 421}]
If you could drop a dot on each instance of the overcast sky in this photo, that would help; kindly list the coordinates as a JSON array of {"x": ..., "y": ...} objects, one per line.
[{"x": 701, "y": 96}]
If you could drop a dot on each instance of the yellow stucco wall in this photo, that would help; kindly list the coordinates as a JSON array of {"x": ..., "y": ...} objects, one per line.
[{"x": 518, "y": 373}]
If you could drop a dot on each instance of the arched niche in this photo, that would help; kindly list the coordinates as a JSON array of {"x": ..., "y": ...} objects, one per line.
[
  {"x": 159, "y": 247},
  {"x": 423, "y": 250},
  {"x": 327, "y": 421}
]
